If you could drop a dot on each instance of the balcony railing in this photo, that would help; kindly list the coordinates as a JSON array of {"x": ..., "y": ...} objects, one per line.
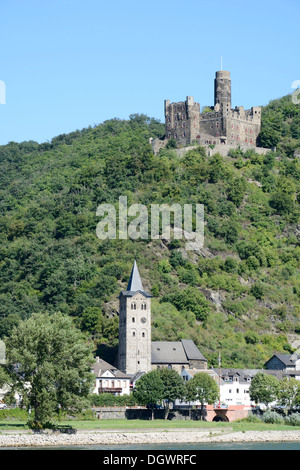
[{"x": 109, "y": 390}]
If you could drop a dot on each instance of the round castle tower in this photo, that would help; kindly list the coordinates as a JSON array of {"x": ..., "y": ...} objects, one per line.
[{"x": 223, "y": 89}]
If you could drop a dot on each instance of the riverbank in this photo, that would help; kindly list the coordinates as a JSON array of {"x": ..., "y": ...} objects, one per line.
[{"x": 81, "y": 438}]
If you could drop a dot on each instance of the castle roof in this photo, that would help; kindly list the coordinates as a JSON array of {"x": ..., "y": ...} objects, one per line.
[{"x": 135, "y": 283}]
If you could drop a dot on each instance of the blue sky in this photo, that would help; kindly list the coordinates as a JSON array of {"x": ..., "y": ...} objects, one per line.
[{"x": 68, "y": 64}]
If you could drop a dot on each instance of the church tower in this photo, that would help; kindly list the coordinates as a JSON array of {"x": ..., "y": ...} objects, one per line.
[{"x": 134, "y": 326}]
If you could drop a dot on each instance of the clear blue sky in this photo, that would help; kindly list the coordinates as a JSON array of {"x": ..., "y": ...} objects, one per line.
[{"x": 68, "y": 64}]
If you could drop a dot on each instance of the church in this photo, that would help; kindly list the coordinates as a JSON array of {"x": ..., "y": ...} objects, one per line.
[{"x": 137, "y": 352}]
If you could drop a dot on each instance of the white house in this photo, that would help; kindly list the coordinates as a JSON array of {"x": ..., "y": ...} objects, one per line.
[
  {"x": 234, "y": 384},
  {"x": 109, "y": 379}
]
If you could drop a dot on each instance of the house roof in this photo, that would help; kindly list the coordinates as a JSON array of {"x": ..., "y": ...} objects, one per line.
[
  {"x": 244, "y": 374},
  {"x": 100, "y": 367},
  {"x": 135, "y": 283},
  {"x": 174, "y": 352},
  {"x": 286, "y": 359},
  {"x": 211, "y": 372}
]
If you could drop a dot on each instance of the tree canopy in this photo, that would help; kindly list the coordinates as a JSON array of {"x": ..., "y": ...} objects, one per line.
[{"x": 49, "y": 363}]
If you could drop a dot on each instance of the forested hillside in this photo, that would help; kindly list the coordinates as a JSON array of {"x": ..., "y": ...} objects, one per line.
[{"x": 240, "y": 297}]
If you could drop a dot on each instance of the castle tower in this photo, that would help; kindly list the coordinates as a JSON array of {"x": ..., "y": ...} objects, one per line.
[
  {"x": 223, "y": 89},
  {"x": 134, "y": 326}
]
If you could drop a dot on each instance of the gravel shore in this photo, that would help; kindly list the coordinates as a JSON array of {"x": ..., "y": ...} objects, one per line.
[{"x": 28, "y": 439}]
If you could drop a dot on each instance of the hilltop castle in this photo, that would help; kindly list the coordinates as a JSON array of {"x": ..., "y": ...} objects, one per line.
[{"x": 216, "y": 125}]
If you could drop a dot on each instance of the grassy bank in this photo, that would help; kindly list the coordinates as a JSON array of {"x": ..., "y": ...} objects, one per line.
[{"x": 132, "y": 425}]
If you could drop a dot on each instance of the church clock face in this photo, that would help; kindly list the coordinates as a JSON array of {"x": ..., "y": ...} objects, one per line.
[{"x": 143, "y": 320}]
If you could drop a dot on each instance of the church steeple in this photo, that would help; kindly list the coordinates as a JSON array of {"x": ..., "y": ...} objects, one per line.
[{"x": 135, "y": 282}]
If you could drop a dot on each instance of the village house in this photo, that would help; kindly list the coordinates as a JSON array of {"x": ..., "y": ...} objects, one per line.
[{"x": 108, "y": 379}]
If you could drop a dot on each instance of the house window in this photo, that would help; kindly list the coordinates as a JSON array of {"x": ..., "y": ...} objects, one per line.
[
  {"x": 144, "y": 306},
  {"x": 133, "y": 306}
]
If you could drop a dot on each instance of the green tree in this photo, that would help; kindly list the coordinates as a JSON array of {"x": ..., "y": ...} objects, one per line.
[
  {"x": 264, "y": 388},
  {"x": 289, "y": 393},
  {"x": 49, "y": 364},
  {"x": 173, "y": 387},
  {"x": 149, "y": 390},
  {"x": 202, "y": 387}
]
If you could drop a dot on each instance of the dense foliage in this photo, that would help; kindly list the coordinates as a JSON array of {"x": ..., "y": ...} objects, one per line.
[
  {"x": 240, "y": 296},
  {"x": 49, "y": 366}
]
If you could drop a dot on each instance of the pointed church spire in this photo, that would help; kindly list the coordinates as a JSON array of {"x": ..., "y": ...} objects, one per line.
[{"x": 135, "y": 282}]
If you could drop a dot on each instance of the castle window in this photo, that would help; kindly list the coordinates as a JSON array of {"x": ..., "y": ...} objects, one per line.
[
  {"x": 144, "y": 306},
  {"x": 133, "y": 333},
  {"x": 143, "y": 334},
  {"x": 218, "y": 124},
  {"x": 133, "y": 320},
  {"x": 133, "y": 306}
]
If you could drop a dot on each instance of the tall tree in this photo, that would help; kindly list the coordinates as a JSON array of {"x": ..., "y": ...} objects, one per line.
[
  {"x": 50, "y": 365},
  {"x": 202, "y": 387},
  {"x": 289, "y": 393},
  {"x": 149, "y": 390},
  {"x": 264, "y": 388},
  {"x": 173, "y": 387}
]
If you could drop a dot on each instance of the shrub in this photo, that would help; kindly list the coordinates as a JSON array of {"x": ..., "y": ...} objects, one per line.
[
  {"x": 253, "y": 418},
  {"x": 293, "y": 419},
  {"x": 272, "y": 417}
]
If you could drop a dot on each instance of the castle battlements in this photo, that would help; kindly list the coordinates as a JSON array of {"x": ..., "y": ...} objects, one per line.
[{"x": 215, "y": 125}]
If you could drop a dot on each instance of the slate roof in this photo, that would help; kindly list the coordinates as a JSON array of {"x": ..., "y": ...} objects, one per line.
[
  {"x": 101, "y": 366},
  {"x": 135, "y": 284},
  {"x": 175, "y": 352},
  {"x": 244, "y": 374},
  {"x": 286, "y": 359}
]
